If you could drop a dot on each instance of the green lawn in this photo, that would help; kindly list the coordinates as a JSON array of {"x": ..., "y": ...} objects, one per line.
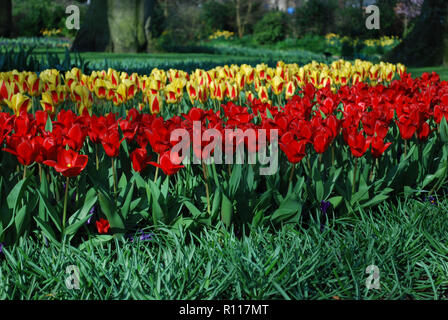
[
  {"x": 406, "y": 241},
  {"x": 179, "y": 59},
  {"x": 441, "y": 70}
]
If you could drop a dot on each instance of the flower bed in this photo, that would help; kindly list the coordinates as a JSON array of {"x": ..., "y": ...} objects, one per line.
[{"x": 349, "y": 136}]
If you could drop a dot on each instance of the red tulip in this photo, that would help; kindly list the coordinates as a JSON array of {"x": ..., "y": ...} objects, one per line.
[
  {"x": 111, "y": 143},
  {"x": 166, "y": 165},
  {"x": 97, "y": 128},
  {"x": 322, "y": 140},
  {"x": 26, "y": 151},
  {"x": 140, "y": 159},
  {"x": 378, "y": 146},
  {"x": 75, "y": 137},
  {"x": 407, "y": 125},
  {"x": 423, "y": 131},
  {"x": 69, "y": 163},
  {"x": 293, "y": 149},
  {"x": 357, "y": 143},
  {"x": 158, "y": 136},
  {"x": 23, "y": 126},
  {"x": 102, "y": 226}
]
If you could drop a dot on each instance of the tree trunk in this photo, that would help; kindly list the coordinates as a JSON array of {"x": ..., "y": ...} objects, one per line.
[
  {"x": 427, "y": 43},
  {"x": 122, "y": 26},
  {"x": 5, "y": 18},
  {"x": 238, "y": 18},
  {"x": 94, "y": 33}
]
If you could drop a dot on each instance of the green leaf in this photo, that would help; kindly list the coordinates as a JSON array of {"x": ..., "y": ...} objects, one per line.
[
  {"x": 50, "y": 210},
  {"x": 335, "y": 201},
  {"x": 235, "y": 179},
  {"x": 99, "y": 239},
  {"x": 89, "y": 202},
  {"x": 122, "y": 183},
  {"x": 16, "y": 194},
  {"x": 193, "y": 210},
  {"x": 439, "y": 173},
  {"x": 216, "y": 205},
  {"x": 127, "y": 203},
  {"x": 269, "y": 114},
  {"x": 111, "y": 212},
  {"x": 49, "y": 124},
  {"x": 46, "y": 229},
  {"x": 443, "y": 130},
  {"x": 319, "y": 191},
  {"x": 226, "y": 210},
  {"x": 71, "y": 230},
  {"x": 375, "y": 200},
  {"x": 20, "y": 220},
  {"x": 157, "y": 211},
  {"x": 288, "y": 208}
]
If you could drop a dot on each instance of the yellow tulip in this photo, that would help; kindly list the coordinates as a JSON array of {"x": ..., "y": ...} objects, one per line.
[
  {"x": 19, "y": 103},
  {"x": 290, "y": 90},
  {"x": 263, "y": 94},
  {"x": 277, "y": 85}
]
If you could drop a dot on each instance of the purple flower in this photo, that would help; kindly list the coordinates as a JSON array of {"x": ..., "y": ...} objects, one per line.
[
  {"x": 430, "y": 199},
  {"x": 92, "y": 212},
  {"x": 146, "y": 236},
  {"x": 46, "y": 241},
  {"x": 324, "y": 206},
  {"x": 1, "y": 247},
  {"x": 143, "y": 236}
]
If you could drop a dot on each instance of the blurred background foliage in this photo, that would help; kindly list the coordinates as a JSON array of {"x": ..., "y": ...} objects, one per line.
[
  {"x": 229, "y": 26},
  {"x": 191, "y": 20}
]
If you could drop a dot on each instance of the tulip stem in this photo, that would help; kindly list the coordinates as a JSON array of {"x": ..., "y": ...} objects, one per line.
[
  {"x": 24, "y": 172},
  {"x": 204, "y": 170},
  {"x": 291, "y": 175},
  {"x": 96, "y": 156},
  {"x": 354, "y": 175},
  {"x": 64, "y": 215},
  {"x": 332, "y": 155},
  {"x": 372, "y": 171},
  {"x": 405, "y": 147},
  {"x": 308, "y": 163},
  {"x": 157, "y": 169},
  {"x": 115, "y": 178}
]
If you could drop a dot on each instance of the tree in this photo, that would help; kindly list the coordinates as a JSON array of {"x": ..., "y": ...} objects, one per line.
[
  {"x": 408, "y": 10},
  {"x": 117, "y": 26},
  {"x": 245, "y": 13},
  {"x": 427, "y": 43},
  {"x": 5, "y": 18}
]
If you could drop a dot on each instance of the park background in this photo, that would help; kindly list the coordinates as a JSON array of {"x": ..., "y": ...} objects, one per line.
[
  {"x": 145, "y": 34},
  {"x": 406, "y": 237}
]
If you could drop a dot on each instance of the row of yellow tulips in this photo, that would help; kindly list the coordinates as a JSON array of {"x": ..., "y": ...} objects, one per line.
[{"x": 224, "y": 82}]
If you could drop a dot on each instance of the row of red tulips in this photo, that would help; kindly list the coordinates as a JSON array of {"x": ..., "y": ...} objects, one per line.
[
  {"x": 347, "y": 129},
  {"x": 362, "y": 113}
]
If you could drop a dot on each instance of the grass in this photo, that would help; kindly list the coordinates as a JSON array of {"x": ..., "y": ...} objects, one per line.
[
  {"x": 98, "y": 58},
  {"x": 406, "y": 240},
  {"x": 441, "y": 70}
]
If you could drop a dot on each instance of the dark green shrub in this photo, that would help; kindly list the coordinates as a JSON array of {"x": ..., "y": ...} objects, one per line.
[
  {"x": 316, "y": 17},
  {"x": 351, "y": 21},
  {"x": 216, "y": 16},
  {"x": 271, "y": 28},
  {"x": 32, "y": 16}
]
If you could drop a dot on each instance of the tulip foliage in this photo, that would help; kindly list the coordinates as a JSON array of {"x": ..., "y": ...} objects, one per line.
[{"x": 69, "y": 173}]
